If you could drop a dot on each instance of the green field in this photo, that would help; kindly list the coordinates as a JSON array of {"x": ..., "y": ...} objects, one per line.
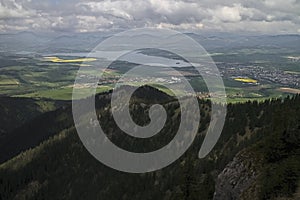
[
  {"x": 37, "y": 78},
  {"x": 60, "y": 93}
]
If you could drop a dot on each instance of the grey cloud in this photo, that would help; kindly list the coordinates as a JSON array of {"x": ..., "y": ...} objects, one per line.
[
  {"x": 91, "y": 15},
  {"x": 11, "y": 10}
]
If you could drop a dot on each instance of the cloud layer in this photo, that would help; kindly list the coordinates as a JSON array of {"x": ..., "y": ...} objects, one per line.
[{"x": 266, "y": 16}]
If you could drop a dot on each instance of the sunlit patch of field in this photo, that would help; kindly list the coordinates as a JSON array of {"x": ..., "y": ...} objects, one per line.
[
  {"x": 59, "y": 60},
  {"x": 293, "y": 57},
  {"x": 246, "y": 80},
  {"x": 64, "y": 93},
  {"x": 291, "y": 72},
  {"x": 289, "y": 90},
  {"x": 255, "y": 94},
  {"x": 8, "y": 81}
]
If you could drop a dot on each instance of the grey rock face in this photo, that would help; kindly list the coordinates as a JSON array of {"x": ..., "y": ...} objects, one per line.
[{"x": 237, "y": 180}]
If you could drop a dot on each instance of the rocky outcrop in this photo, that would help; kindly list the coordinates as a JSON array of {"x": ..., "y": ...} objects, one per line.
[{"x": 238, "y": 179}]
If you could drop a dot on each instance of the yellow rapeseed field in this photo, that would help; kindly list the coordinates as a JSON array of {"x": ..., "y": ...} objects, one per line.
[
  {"x": 59, "y": 60},
  {"x": 246, "y": 80}
]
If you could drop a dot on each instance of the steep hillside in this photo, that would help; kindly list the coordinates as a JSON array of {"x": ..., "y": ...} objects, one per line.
[
  {"x": 16, "y": 111},
  {"x": 29, "y": 125},
  {"x": 256, "y": 156}
]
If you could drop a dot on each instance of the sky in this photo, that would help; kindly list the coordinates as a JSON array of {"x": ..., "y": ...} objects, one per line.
[{"x": 258, "y": 16}]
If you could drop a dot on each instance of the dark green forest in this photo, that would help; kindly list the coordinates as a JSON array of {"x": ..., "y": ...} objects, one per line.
[{"x": 261, "y": 138}]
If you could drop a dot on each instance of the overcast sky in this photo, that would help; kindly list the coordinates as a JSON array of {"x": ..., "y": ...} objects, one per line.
[{"x": 259, "y": 16}]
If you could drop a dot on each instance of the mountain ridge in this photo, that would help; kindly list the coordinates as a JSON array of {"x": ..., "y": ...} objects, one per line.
[{"x": 63, "y": 160}]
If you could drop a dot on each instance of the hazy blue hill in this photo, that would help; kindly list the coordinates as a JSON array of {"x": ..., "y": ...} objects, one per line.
[
  {"x": 236, "y": 41},
  {"x": 82, "y": 42},
  {"x": 23, "y": 41}
]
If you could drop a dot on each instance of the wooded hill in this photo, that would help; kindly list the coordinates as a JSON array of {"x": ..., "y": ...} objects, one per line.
[{"x": 257, "y": 156}]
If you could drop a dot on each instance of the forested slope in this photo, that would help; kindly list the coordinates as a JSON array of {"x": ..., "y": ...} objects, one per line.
[{"x": 262, "y": 138}]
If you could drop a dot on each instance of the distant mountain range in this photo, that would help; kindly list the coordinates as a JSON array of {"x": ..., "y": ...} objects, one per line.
[{"x": 85, "y": 42}]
